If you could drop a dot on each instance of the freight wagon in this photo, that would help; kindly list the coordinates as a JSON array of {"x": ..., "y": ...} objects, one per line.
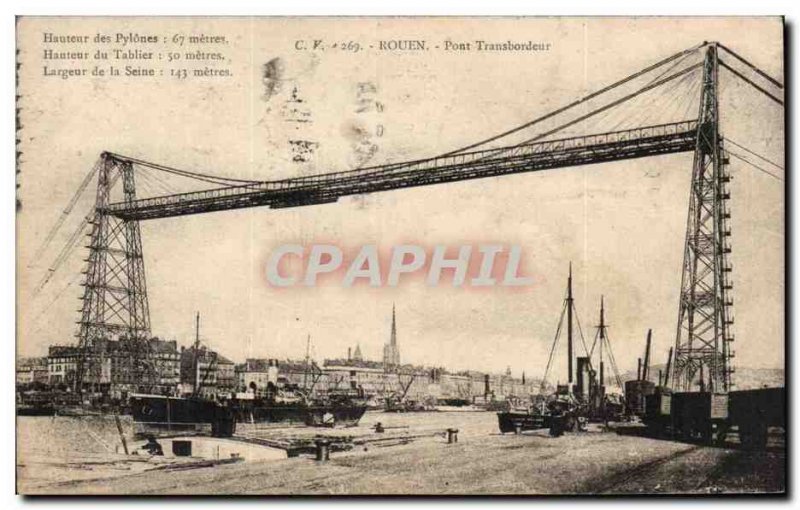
[
  {"x": 708, "y": 417},
  {"x": 755, "y": 411}
]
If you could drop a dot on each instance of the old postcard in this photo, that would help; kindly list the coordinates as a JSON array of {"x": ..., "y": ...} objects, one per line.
[{"x": 400, "y": 256}]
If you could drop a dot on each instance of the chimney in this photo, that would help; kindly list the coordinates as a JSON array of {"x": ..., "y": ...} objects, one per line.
[{"x": 349, "y": 353}]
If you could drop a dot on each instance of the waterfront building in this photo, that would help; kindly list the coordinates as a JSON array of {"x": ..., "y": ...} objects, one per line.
[
  {"x": 117, "y": 366},
  {"x": 32, "y": 370},
  {"x": 255, "y": 375},
  {"x": 206, "y": 373}
]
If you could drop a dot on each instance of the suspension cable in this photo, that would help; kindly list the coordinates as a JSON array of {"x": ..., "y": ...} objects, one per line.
[
  {"x": 751, "y": 66},
  {"x": 750, "y": 82},
  {"x": 759, "y": 156},
  {"x": 68, "y": 247},
  {"x": 613, "y": 103},
  {"x": 184, "y": 173},
  {"x": 67, "y": 210},
  {"x": 578, "y": 102},
  {"x": 737, "y": 156}
]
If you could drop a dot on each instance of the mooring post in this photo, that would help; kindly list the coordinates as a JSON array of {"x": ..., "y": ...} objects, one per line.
[
  {"x": 323, "y": 449},
  {"x": 121, "y": 434},
  {"x": 452, "y": 436}
]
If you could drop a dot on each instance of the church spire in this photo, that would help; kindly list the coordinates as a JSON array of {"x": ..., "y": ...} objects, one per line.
[
  {"x": 393, "y": 340},
  {"x": 391, "y": 353}
]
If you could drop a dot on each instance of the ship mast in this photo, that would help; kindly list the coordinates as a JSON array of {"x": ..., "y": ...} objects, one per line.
[
  {"x": 567, "y": 312},
  {"x": 305, "y": 372},
  {"x": 569, "y": 327},
  {"x": 602, "y": 340},
  {"x": 195, "y": 355}
]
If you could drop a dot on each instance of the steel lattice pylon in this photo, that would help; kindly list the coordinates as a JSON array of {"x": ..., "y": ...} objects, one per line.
[
  {"x": 115, "y": 293},
  {"x": 702, "y": 345}
]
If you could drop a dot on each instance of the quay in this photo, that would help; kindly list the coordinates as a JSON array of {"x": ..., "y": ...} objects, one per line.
[{"x": 482, "y": 461}]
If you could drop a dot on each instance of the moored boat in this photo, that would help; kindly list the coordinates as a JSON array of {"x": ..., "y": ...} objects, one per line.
[
  {"x": 159, "y": 411},
  {"x": 333, "y": 411},
  {"x": 519, "y": 421}
]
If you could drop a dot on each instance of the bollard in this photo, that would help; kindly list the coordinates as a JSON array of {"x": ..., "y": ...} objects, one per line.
[
  {"x": 452, "y": 436},
  {"x": 517, "y": 428},
  {"x": 323, "y": 449},
  {"x": 379, "y": 428}
]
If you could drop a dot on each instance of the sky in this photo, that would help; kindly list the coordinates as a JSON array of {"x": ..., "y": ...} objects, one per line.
[{"x": 622, "y": 224}]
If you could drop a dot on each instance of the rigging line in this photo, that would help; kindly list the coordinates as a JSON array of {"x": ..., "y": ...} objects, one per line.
[
  {"x": 146, "y": 185},
  {"x": 157, "y": 185},
  {"x": 671, "y": 97},
  {"x": 187, "y": 173},
  {"x": 163, "y": 182},
  {"x": 690, "y": 97},
  {"x": 67, "y": 210},
  {"x": 671, "y": 68},
  {"x": 399, "y": 165},
  {"x": 669, "y": 93},
  {"x": 217, "y": 181},
  {"x": 684, "y": 100},
  {"x": 694, "y": 93},
  {"x": 759, "y": 156},
  {"x": 751, "y": 66},
  {"x": 69, "y": 284},
  {"x": 577, "y": 102},
  {"x": 494, "y": 152},
  {"x": 743, "y": 77},
  {"x": 65, "y": 251},
  {"x": 613, "y": 360},
  {"x": 619, "y": 116},
  {"x": 608, "y": 106},
  {"x": 631, "y": 118},
  {"x": 626, "y": 113},
  {"x": 594, "y": 342},
  {"x": 184, "y": 173},
  {"x": 682, "y": 97},
  {"x": 613, "y": 104},
  {"x": 69, "y": 245},
  {"x": 737, "y": 156},
  {"x": 580, "y": 331},
  {"x": 628, "y": 107},
  {"x": 553, "y": 346}
]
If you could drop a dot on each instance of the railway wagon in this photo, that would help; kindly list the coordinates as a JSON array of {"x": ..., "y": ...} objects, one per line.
[
  {"x": 700, "y": 415},
  {"x": 658, "y": 411},
  {"x": 753, "y": 412},
  {"x": 710, "y": 416},
  {"x": 636, "y": 392}
]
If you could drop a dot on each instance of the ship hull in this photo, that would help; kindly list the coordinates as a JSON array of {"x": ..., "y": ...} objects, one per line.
[
  {"x": 156, "y": 409},
  {"x": 312, "y": 415},
  {"x": 159, "y": 412},
  {"x": 36, "y": 410},
  {"x": 519, "y": 421}
]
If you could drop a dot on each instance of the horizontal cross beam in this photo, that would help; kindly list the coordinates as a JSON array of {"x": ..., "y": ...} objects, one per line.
[{"x": 327, "y": 188}]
